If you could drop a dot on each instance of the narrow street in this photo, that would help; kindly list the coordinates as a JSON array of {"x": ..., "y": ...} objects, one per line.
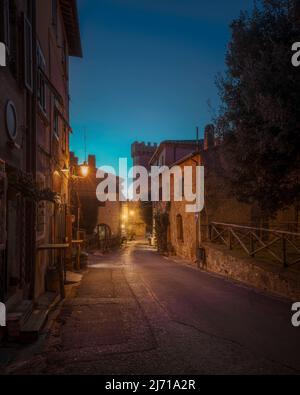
[{"x": 138, "y": 312}]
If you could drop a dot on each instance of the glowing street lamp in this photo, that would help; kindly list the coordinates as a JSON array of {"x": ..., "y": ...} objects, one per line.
[{"x": 84, "y": 169}]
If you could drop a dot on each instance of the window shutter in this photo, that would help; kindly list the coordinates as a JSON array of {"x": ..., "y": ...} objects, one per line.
[
  {"x": 4, "y": 22},
  {"x": 28, "y": 73},
  {"x": 54, "y": 12}
]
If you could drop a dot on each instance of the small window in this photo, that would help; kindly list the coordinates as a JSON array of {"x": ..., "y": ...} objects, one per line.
[
  {"x": 41, "y": 83},
  {"x": 4, "y": 23},
  {"x": 56, "y": 124},
  {"x": 54, "y": 14},
  {"x": 179, "y": 225},
  {"x": 3, "y": 202},
  {"x": 64, "y": 138},
  {"x": 29, "y": 10},
  {"x": 28, "y": 74},
  {"x": 8, "y": 32}
]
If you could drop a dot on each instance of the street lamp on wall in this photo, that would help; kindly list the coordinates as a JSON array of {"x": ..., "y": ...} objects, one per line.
[
  {"x": 84, "y": 169},
  {"x": 71, "y": 171}
]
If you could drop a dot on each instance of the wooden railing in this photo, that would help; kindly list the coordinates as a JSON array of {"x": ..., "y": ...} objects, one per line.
[{"x": 268, "y": 244}]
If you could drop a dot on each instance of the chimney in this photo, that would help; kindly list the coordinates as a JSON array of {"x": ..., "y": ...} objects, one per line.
[
  {"x": 209, "y": 137},
  {"x": 73, "y": 159},
  {"x": 92, "y": 161}
]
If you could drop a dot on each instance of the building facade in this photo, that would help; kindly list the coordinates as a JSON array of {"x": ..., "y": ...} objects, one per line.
[
  {"x": 186, "y": 233},
  {"x": 169, "y": 153},
  {"x": 39, "y": 36}
]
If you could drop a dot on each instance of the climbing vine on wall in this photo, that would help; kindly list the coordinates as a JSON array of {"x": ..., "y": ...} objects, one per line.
[
  {"x": 24, "y": 184},
  {"x": 161, "y": 229}
]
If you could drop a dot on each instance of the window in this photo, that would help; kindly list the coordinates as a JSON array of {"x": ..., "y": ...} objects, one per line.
[
  {"x": 28, "y": 74},
  {"x": 8, "y": 32},
  {"x": 179, "y": 225},
  {"x": 3, "y": 190},
  {"x": 29, "y": 10},
  {"x": 54, "y": 14},
  {"x": 4, "y": 23},
  {"x": 64, "y": 54},
  {"x": 56, "y": 123},
  {"x": 64, "y": 138},
  {"x": 41, "y": 83}
]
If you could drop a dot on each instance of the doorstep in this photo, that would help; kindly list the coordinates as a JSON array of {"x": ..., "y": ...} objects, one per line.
[{"x": 26, "y": 319}]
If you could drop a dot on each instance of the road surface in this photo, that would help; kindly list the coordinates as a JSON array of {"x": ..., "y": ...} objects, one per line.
[{"x": 137, "y": 312}]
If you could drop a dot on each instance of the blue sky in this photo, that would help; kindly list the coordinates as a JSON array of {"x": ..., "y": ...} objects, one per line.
[{"x": 148, "y": 71}]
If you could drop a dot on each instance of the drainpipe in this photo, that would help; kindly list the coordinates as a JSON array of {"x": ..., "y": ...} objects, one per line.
[{"x": 198, "y": 225}]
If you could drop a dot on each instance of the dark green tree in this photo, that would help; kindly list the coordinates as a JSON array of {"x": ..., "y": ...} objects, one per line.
[
  {"x": 259, "y": 120},
  {"x": 161, "y": 229},
  {"x": 146, "y": 210}
]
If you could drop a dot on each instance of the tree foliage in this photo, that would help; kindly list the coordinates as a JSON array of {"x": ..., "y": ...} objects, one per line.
[
  {"x": 260, "y": 115},
  {"x": 25, "y": 184},
  {"x": 146, "y": 210}
]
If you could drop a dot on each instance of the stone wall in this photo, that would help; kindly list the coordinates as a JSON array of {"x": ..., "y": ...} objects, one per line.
[
  {"x": 185, "y": 248},
  {"x": 110, "y": 214},
  {"x": 132, "y": 221},
  {"x": 266, "y": 277}
]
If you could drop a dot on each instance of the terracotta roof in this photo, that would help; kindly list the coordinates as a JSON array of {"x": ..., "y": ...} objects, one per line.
[
  {"x": 185, "y": 158},
  {"x": 178, "y": 143},
  {"x": 70, "y": 15}
]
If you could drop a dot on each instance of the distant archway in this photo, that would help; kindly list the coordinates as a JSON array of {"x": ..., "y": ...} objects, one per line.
[{"x": 103, "y": 236}]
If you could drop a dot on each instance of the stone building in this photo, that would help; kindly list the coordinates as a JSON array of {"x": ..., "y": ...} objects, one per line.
[
  {"x": 170, "y": 151},
  {"x": 183, "y": 229},
  {"x": 58, "y": 38},
  {"x": 141, "y": 153},
  {"x": 109, "y": 215},
  {"x": 91, "y": 213},
  {"x": 40, "y": 36},
  {"x": 188, "y": 231},
  {"x": 84, "y": 202}
]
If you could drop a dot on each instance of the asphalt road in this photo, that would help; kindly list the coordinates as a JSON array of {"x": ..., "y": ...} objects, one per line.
[
  {"x": 221, "y": 308},
  {"x": 137, "y": 312}
]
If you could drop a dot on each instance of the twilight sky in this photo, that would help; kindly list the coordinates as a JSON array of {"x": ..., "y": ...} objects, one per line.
[{"x": 148, "y": 71}]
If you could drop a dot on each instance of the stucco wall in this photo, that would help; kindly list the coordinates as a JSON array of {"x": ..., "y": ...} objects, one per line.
[{"x": 185, "y": 248}]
